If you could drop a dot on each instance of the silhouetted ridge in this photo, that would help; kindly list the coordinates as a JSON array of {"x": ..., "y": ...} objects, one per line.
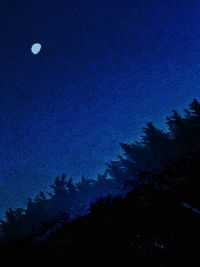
[{"x": 146, "y": 203}]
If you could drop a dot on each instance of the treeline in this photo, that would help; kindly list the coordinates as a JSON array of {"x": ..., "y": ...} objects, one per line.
[
  {"x": 148, "y": 162},
  {"x": 67, "y": 200}
]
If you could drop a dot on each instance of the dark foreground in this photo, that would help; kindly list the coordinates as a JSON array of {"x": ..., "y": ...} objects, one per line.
[{"x": 157, "y": 223}]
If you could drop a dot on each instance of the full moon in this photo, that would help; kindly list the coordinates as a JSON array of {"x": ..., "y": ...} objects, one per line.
[{"x": 35, "y": 49}]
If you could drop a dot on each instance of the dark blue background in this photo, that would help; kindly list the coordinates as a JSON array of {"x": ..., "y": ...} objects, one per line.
[{"x": 106, "y": 68}]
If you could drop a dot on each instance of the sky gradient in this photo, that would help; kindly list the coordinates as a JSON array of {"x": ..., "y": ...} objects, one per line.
[{"x": 106, "y": 68}]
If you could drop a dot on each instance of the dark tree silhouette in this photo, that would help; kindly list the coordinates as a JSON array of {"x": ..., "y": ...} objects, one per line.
[{"x": 146, "y": 204}]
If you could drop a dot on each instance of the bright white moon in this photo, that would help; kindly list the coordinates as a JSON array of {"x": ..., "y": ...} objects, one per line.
[{"x": 35, "y": 49}]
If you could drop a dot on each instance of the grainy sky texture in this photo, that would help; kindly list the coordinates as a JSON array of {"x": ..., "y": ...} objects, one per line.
[{"x": 106, "y": 68}]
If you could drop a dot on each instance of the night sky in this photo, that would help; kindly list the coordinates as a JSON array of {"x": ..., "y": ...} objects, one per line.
[{"x": 106, "y": 67}]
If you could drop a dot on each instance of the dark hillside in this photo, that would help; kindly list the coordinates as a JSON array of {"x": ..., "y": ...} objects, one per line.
[{"x": 145, "y": 208}]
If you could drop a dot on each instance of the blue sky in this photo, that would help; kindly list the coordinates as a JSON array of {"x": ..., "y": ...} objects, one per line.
[{"x": 105, "y": 69}]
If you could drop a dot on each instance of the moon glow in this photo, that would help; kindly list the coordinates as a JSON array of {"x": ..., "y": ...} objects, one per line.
[{"x": 35, "y": 49}]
